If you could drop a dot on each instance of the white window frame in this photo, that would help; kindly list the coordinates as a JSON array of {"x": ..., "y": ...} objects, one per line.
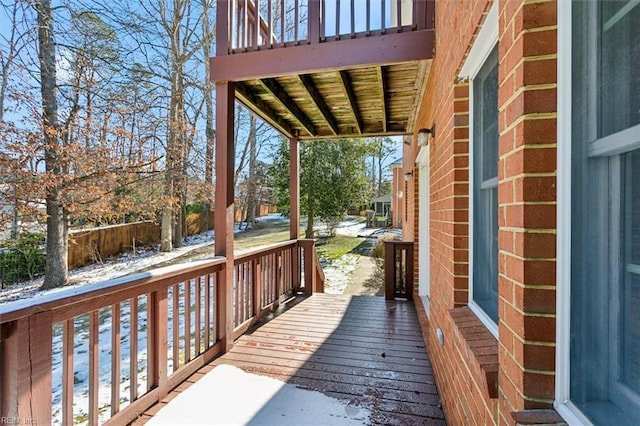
[
  {"x": 424, "y": 228},
  {"x": 606, "y": 146},
  {"x": 569, "y": 412},
  {"x": 484, "y": 44}
]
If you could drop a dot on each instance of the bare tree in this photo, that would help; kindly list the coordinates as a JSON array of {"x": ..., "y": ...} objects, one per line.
[{"x": 56, "y": 270}]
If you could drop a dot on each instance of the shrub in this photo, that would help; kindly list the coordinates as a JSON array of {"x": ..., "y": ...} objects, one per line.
[
  {"x": 22, "y": 259},
  {"x": 377, "y": 252}
]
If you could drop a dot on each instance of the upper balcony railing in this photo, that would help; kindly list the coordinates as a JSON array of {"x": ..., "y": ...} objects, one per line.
[{"x": 266, "y": 24}]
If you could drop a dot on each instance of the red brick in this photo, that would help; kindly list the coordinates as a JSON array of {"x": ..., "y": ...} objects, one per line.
[
  {"x": 539, "y": 329},
  {"x": 536, "y": 131},
  {"x": 538, "y": 385},
  {"x": 535, "y": 300},
  {"x": 538, "y": 216},
  {"x": 536, "y": 15},
  {"x": 533, "y": 245},
  {"x": 536, "y": 357},
  {"x": 539, "y": 272},
  {"x": 535, "y": 188},
  {"x": 537, "y": 71},
  {"x": 539, "y": 43}
]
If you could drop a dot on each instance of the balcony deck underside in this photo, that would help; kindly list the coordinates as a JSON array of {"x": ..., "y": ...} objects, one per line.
[
  {"x": 347, "y": 88},
  {"x": 364, "y": 351}
]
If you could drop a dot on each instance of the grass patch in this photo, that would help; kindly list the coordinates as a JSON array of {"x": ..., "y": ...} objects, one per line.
[{"x": 338, "y": 246}]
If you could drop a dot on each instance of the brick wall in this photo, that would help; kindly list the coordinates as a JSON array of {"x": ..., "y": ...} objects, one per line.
[
  {"x": 482, "y": 380},
  {"x": 527, "y": 195}
]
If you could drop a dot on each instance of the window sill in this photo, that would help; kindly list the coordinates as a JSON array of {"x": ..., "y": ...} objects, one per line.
[
  {"x": 537, "y": 417},
  {"x": 481, "y": 344}
]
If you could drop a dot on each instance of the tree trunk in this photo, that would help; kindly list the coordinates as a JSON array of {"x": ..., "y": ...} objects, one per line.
[
  {"x": 308, "y": 233},
  {"x": 56, "y": 268},
  {"x": 208, "y": 100},
  {"x": 252, "y": 183}
]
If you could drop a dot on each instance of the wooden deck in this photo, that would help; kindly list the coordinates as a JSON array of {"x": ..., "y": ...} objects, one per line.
[{"x": 363, "y": 350}]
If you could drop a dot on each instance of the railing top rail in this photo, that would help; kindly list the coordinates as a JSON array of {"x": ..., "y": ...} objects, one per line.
[
  {"x": 123, "y": 287},
  {"x": 264, "y": 251},
  {"x": 399, "y": 243}
]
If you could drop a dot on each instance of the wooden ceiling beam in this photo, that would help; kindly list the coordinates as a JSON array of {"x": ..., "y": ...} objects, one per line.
[
  {"x": 281, "y": 95},
  {"x": 351, "y": 97},
  {"x": 263, "y": 110},
  {"x": 383, "y": 98},
  {"x": 316, "y": 97}
]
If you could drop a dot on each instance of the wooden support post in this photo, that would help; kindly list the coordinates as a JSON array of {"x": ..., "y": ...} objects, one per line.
[
  {"x": 294, "y": 189},
  {"x": 294, "y": 211},
  {"x": 224, "y": 207},
  {"x": 222, "y": 27},
  {"x": 26, "y": 373},
  {"x": 309, "y": 266},
  {"x": 314, "y": 21},
  {"x": 389, "y": 270},
  {"x": 409, "y": 271},
  {"x": 157, "y": 321}
]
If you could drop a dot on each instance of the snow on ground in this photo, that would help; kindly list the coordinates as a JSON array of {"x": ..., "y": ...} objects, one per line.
[
  {"x": 229, "y": 396},
  {"x": 337, "y": 273}
]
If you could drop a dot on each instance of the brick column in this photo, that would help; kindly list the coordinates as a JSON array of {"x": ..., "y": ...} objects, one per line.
[{"x": 527, "y": 205}]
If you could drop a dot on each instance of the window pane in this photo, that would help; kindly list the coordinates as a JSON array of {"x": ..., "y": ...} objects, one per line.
[
  {"x": 485, "y": 192},
  {"x": 619, "y": 66},
  {"x": 630, "y": 344}
]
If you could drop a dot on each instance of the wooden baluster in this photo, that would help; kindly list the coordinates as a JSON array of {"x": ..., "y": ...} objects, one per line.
[
  {"x": 94, "y": 353},
  {"x": 257, "y": 287},
  {"x": 368, "y": 17},
  {"x": 337, "y": 19},
  {"x": 68, "y": 333},
  {"x": 353, "y": 19},
  {"x": 256, "y": 23},
  {"x": 198, "y": 324},
  {"x": 383, "y": 16},
  {"x": 176, "y": 326},
  {"x": 282, "y": 16},
  {"x": 187, "y": 321},
  {"x": 115, "y": 359},
  {"x": 296, "y": 19},
  {"x": 269, "y": 25},
  {"x": 133, "y": 348},
  {"x": 279, "y": 283},
  {"x": 207, "y": 313}
]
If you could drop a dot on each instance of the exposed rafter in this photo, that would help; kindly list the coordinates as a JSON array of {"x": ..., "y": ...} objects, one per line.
[
  {"x": 263, "y": 110},
  {"x": 383, "y": 99},
  {"x": 281, "y": 95},
  {"x": 316, "y": 97},
  {"x": 348, "y": 92}
]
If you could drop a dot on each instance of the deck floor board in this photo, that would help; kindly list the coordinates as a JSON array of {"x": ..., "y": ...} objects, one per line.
[{"x": 364, "y": 350}]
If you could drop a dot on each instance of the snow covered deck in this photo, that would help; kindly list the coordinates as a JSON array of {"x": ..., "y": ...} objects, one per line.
[{"x": 328, "y": 360}]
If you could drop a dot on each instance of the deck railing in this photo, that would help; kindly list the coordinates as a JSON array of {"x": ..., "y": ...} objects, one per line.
[
  {"x": 398, "y": 269},
  {"x": 262, "y": 280},
  {"x": 107, "y": 352},
  {"x": 267, "y": 24}
]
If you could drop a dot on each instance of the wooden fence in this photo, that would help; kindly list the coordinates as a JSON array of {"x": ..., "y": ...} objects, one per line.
[
  {"x": 108, "y": 351},
  {"x": 94, "y": 245}
]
